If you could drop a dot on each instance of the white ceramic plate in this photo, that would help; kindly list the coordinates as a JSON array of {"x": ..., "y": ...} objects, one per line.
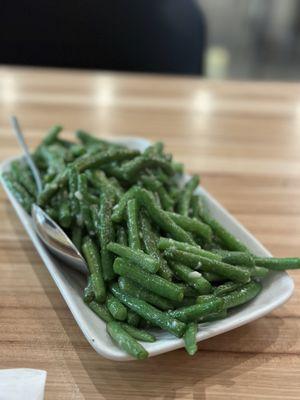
[{"x": 277, "y": 287}]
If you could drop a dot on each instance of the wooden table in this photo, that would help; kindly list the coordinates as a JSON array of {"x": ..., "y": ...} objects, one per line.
[{"x": 244, "y": 139}]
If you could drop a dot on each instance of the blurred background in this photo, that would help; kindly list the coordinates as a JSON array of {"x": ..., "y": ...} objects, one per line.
[{"x": 228, "y": 39}]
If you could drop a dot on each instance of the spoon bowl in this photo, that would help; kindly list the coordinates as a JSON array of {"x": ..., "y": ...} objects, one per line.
[{"x": 56, "y": 240}]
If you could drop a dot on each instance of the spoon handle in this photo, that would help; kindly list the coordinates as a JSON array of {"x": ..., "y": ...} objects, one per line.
[{"x": 35, "y": 172}]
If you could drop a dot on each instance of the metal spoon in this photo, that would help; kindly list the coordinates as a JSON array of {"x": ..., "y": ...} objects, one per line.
[{"x": 48, "y": 230}]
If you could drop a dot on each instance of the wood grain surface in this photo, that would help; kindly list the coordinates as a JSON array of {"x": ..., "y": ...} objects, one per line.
[{"x": 244, "y": 139}]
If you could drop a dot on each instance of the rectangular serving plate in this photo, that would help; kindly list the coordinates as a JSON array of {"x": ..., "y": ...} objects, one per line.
[{"x": 277, "y": 287}]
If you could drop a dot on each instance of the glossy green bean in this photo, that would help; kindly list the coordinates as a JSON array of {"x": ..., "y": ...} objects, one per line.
[
  {"x": 101, "y": 310},
  {"x": 133, "y": 167},
  {"x": 91, "y": 255},
  {"x": 232, "y": 272},
  {"x": 150, "y": 243},
  {"x": 137, "y": 257},
  {"x": 236, "y": 257},
  {"x": 187, "y": 192},
  {"x": 153, "y": 184},
  {"x": 135, "y": 290},
  {"x": 52, "y": 135},
  {"x": 165, "y": 243},
  {"x": 226, "y": 287},
  {"x": 73, "y": 185},
  {"x": 125, "y": 341},
  {"x": 229, "y": 240},
  {"x": 22, "y": 174},
  {"x": 119, "y": 209},
  {"x": 150, "y": 313},
  {"x": 81, "y": 195},
  {"x": 278, "y": 264},
  {"x": 191, "y": 277},
  {"x": 138, "y": 334},
  {"x": 19, "y": 192},
  {"x": 151, "y": 282},
  {"x": 242, "y": 295},
  {"x": 192, "y": 225},
  {"x": 196, "y": 311},
  {"x": 81, "y": 164},
  {"x": 106, "y": 235},
  {"x": 190, "y": 338},
  {"x": 116, "y": 308},
  {"x": 161, "y": 218},
  {"x": 133, "y": 225}
]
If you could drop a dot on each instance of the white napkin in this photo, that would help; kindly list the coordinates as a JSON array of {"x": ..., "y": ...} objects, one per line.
[{"x": 22, "y": 384}]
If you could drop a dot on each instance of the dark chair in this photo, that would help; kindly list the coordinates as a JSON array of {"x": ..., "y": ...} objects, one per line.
[{"x": 165, "y": 36}]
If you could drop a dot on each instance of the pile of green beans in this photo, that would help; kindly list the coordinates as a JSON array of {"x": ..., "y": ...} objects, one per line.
[{"x": 156, "y": 256}]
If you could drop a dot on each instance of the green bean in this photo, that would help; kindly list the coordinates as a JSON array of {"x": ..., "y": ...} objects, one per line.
[
  {"x": 211, "y": 277},
  {"x": 64, "y": 213},
  {"x": 194, "y": 312},
  {"x": 19, "y": 192},
  {"x": 116, "y": 308},
  {"x": 92, "y": 258},
  {"x": 191, "y": 277},
  {"x": 150, "y": 313},
  {"x": 73, "y": 184},
  {"x": 88, "y": 293},
  {"x": 133, "y": 167},
  {"x": 242, "y": 295},
  {"x": 125, "y": 341},
  {"x": 137, "y": 257},
  {"x": 106, "y": 235},
  {"x": 192, "y": 225},
  {"x": 204, "y": 298},
  {"x": 133, "y": 319},
  {"x": 151, "y": 183},
  {"x": 81, "y": 164},
  {"x": 150, "y": 244},
  {"x": 99, "y": 180},
  {"x": 88, "y": 139},
  {"x": 138, "y": 334},
  {"x": 258, "y": 272},
  {"x": 156, "y": 149},
  {"x": 77, "y": 150},
  {"x": 81, "y": 195},
  {"x": 188, "y": 290},
  {"x": 236, "y": 257},
  {"x": 119, "y": 209},
  {"x": 195, "y": 206},
  {"x": 232, "y": 272},
  {"x": 119, "y": 191},
  {"x": 23, "y": 176},
  {"x": 190, "y": 338},
  {"x": 185, "y": 199},
  {"x": 226, "y": 287},
  {"x": 122, "y": 236},
  {"x": 153, "y": 283},
  {"x": 132, "y": 225},
  {"x": 213, "y": 317},
  {"x": 278, "y": 264},
  {"x": 101, "y": 310},
  {"x": 165, "y": 244},
  {"x": 139, "y": 292},
  {"x": 230, "y": 241},
  {"x": 52, "y": 135},
  {"x": 115, "y": 171},
  {"x": 161, "y": 218}
]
